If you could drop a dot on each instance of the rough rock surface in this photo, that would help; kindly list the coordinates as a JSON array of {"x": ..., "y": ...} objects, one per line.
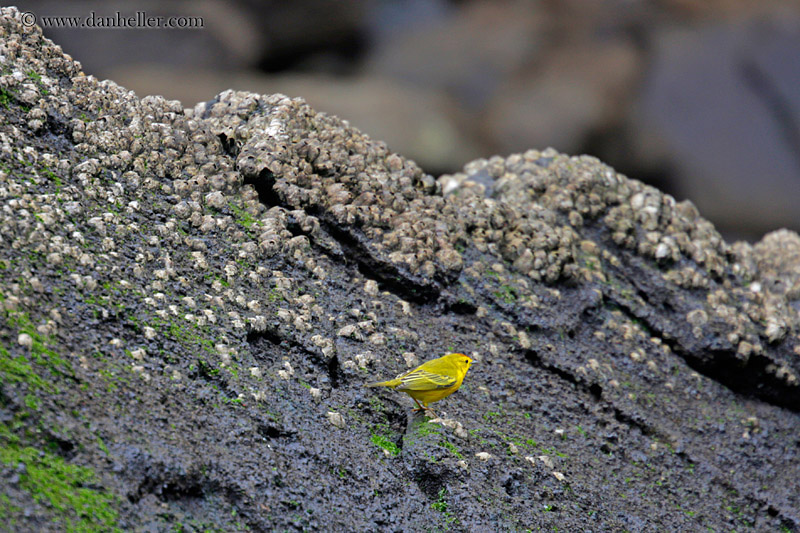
[{"x": 192, "y": 301}]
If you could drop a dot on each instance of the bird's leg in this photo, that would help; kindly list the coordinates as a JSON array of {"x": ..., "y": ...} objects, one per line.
[{"x": 423, "y": 408}]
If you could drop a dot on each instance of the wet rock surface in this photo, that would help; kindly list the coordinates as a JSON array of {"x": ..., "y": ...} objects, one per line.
[{"x": 192, "y": 302}]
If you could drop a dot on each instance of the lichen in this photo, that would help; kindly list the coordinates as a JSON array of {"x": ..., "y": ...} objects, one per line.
[{"x": 49, "y": 480}]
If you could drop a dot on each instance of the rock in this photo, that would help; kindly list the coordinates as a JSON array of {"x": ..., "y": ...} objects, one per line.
[
  {"x": 127, "y": 366},
  {"x": 716, "y": 96},
  {"x": 336, "y": 419}
]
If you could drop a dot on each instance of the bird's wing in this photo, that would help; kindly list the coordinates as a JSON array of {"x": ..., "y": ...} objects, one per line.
[{"x": 424, "y": 380}]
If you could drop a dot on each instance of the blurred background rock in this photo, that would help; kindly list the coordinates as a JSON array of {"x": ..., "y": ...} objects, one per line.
[{"x": 697, "y": 97}]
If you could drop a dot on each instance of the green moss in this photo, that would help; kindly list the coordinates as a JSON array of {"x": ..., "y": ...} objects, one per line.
[
  {"x": 242, "y": 216},
  {"x": 425, "y": 428},
  {"x": 67, "y": 489},
  {"x": 441, "y": 505},
  {"x": 109, "y": 378},
  {"x": 184, "y": 332},
  {"x": 507, "y": 294},
  {"x": 550, "y": 451},
  {"x": 233, "y": 401},
  {"x": 32, "y": 402},
  {"x": 19, "y": 370},
  {"x": 5, "y": 98},
  {"x": 207, "y": 369},
  {"x": 8, "y": 511},
  {"x": 39, "y": 350},
  {"x": 490, "y": 415},
  {"x": 450, "y": 447},
  {"x": 31, "y": 368},
  {"x": 102, "y": 446},
  {"x": 383, "y": 441},
  {"x": 492, "y": 274},
  {"x": 376, "y": 404}
]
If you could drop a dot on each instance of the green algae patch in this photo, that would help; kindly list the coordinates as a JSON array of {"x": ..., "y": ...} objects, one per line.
[
  {"x": 27, "y": 368},
  {"x": 384, "y": 442},
  {"x": 70, "y": 490},
  {"x": 19, "y": 370},
  {"x": 69, "y": 495}
]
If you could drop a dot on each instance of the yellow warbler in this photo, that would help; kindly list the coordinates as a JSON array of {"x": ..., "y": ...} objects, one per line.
[{"x": 431, "y": 381}]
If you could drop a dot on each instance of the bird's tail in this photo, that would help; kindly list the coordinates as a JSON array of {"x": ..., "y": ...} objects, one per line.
[{"x": 391, "y": 383}]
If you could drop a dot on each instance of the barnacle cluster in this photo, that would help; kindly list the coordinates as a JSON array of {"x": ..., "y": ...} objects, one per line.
[
  {"x": 318, "y": 164},
  {"x": 139, "y": 203},
  {"x": 548, "y": 215}
]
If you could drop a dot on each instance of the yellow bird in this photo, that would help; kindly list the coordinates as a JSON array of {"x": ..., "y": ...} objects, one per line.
[{"x": 431, "y": 381}]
